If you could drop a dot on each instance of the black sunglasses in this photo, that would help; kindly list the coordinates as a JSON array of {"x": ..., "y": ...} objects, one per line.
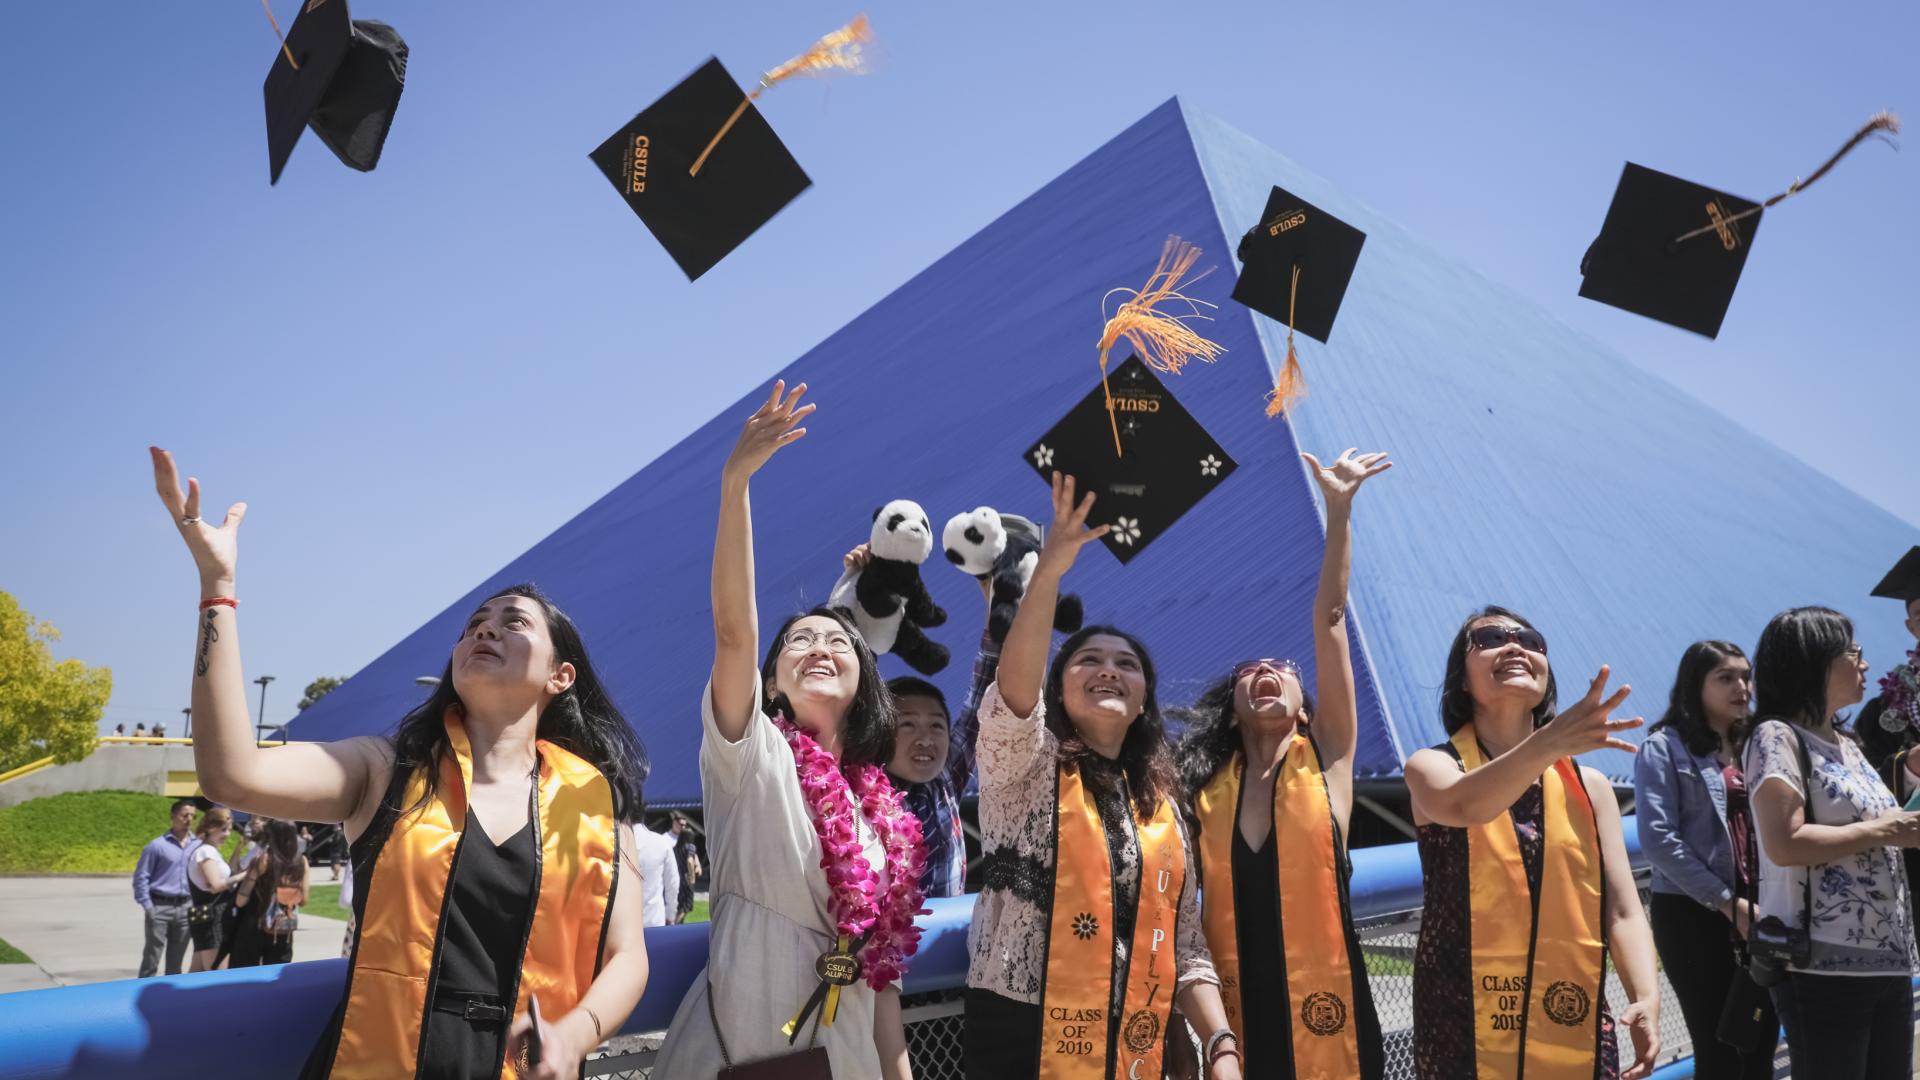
[
  {"x": 1482, "y": 638},
  {"x": 1246, "y": 667}
]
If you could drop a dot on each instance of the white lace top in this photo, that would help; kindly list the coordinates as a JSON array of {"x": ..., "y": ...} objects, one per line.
[
  {"x": 1008, "y": 941},
  {"x": 1862, "y": 924}
]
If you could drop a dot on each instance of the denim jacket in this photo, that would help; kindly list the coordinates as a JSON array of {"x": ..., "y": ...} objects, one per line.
[{"x": 1680, "y": 800}]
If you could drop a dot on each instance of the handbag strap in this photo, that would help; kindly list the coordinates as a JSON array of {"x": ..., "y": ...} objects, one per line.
[
  {"x": 713, "y": 1018},
  {"x": 1806, "y": 811}
]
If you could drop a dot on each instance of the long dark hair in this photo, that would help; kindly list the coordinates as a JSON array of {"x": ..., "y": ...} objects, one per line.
[
  {"x": 1144, "y": 755},
  {"x": 583, "y": 721},
  {"x": 1790, "y": 665},
  {"x": 1456, "y": 703},
  {"x": 1685, "y": 714},
  {"x": 866, "y": 736},
  {"x": 1210, "y": 736},
  {"x": 282, "y": 843}
]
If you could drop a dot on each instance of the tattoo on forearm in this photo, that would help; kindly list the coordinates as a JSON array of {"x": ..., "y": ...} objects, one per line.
[{"x": 208, "y": 635}]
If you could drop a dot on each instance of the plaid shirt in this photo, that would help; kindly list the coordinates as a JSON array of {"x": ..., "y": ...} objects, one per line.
[{"x": 937, "y": 802}]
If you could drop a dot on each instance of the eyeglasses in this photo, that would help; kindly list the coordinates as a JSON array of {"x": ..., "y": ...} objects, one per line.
[
  {"x": 838, "y": 642},
  {"x": 1481, "y": 638},
  {"x": 1247, "y": 667},
  {"x": 1854, "y": 653}
]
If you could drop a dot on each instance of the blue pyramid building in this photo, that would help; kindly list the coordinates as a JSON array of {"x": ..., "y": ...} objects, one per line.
[{"x": 1536, "y": 469}]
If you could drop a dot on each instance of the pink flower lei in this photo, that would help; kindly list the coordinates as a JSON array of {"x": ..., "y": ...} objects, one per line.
[
  {"x": 852, "y": 888},
  {"x": 1900, "y": 690}
]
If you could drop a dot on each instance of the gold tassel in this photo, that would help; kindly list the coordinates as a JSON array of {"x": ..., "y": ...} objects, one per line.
[
  {"x": 1881, "y": 123},
  {"x": 1291, "y": 384},
  {"x": 838, "y": 51},
  {"x": 1164, "y": 342}
]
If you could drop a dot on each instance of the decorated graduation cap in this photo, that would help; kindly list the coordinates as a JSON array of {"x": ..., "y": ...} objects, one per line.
[
  {"x": 703, "y": 169},
  {"x": 1168, "y": 464},
  {"x": 1902, "y": 583},
  {"x": 1295, "y": 266},
  {"x": 340, "y": 76},
  {"x": 1673, "y": 250}
]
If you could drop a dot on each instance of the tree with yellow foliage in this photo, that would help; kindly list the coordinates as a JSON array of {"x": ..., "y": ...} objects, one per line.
[{"x": 46, "y": 706}]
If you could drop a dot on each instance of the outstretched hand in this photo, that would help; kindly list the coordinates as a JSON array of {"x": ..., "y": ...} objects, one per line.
[
  {"x": 771, "y": 427},
  {"x": 215, "y": 548},
  {"x": 1588, "y": 725},
  {"x": 1069, "y": 532},
  {"x": 1340, "y": 480}
]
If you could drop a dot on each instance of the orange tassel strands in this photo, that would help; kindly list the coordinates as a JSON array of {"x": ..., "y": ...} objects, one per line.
[
  {"x": 839, "y": 51},
  {"x": 1164, "y": 342},
  {"x": 1291, "y": 384}
]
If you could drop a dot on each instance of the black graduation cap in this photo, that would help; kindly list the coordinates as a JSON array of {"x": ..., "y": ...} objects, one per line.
[
  {"x": 747, "y": 177},
  {"x": 341, "y": 77},
  {"x": 1168, "y": 462},
  {"x": 1640, "y": 263},
  {"x": 1903, "y": 581},
  {"x": 1295, "y": 233}
]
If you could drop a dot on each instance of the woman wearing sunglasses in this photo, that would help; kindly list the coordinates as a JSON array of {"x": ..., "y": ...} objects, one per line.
[
  {"x": 1086, "y": 931},
  {"x": 816, "y": 866},
  {"x": 1270, "y": 781},
  {"x": 1528, "y": 888}
]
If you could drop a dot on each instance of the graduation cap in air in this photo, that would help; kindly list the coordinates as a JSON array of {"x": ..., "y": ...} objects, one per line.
[
  {"x": 702, "y": 168},
  {"x": 1902, "y": 583},
  {"x": 340, "y": 76},
  {"x": 1673, "y": 250},
  {"x": 1295, "y": 266},
  {"x": 1169, "y": 462}
]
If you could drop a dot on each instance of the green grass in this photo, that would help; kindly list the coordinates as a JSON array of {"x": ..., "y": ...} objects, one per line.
[
  {"x": 324, "y": 901},
  {"x": 1383, "y": 964},
  {"x": 11, "y": 955},
  {"x": 699, "y": 912},
  {"x": 82, "y": 832}
]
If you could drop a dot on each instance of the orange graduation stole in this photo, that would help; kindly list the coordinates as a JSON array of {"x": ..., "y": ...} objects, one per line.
[
  {"x": 1536, "y": 974},
  {"x": 1075, "y": 1024},
  {"x": 1313, "y": 927},
  {"x": 397, "y": 954}
]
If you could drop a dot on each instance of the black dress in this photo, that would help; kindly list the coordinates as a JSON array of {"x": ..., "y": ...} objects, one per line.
[{"x": 489, "y": 912}]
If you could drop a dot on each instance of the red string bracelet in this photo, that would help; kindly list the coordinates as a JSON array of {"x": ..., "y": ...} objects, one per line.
[{"x": 219, "y": 601}]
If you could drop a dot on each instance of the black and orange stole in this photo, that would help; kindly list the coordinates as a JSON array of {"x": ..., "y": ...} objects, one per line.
[
  {"x": 1536, "y": 973},
  {"x": 1321, "y": 995},
  {"x": 1074, "y": 1020},
  {"x": 398, "y": 948}
]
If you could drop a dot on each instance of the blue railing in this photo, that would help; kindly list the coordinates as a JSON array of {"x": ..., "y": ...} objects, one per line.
[{"x": 263, "y": 1020}]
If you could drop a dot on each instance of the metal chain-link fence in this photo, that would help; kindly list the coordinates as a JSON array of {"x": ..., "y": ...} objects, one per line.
[{"x": 934, "y": 1020}]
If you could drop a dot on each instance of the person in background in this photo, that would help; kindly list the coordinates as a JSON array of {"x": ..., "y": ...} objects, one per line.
[
  {"x": 659, "y": 877},
  {"x": 119, "y": 729},
  {"x": 159, "y": 731},
  {"x": 1830, "y": 839},
  {"x": 268, "y": 898},
  {"x": 140, "y": 730},
  {"x": 207, "y": 881},
  {"x": 686, "y": 859},
  {"x": 1889, "y": 724},
  {"x": 1696, "y": 830},
  {"x": 160, "y": 888}
]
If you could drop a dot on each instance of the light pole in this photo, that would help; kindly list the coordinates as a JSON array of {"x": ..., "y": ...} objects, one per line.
[
  {"x": 188, "y": 713},
  {"x": 262, "y": 681}
]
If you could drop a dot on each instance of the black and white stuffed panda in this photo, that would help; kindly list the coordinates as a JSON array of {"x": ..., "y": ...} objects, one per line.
[
  {"x": 889, "y": 602},
  {"x": 1005, "y": 547}
]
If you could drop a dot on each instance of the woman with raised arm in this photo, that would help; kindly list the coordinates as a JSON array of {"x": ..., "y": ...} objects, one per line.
[
  {"x": 1528, "y": 887},
  {"x": 1269, "y": 776},
  {"x": 1087, "y": 931},
  {"x": 815, "y": 864},
  {"x": 484, "y": 834}
]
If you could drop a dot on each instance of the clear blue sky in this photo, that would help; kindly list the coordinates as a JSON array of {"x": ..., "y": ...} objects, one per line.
[{"x": 415, "y": 374}]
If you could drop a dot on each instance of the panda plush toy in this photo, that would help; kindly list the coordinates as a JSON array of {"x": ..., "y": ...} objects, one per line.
[
  {"x": 1005, "y": 548},
  {"x": 888, "y": 601}
]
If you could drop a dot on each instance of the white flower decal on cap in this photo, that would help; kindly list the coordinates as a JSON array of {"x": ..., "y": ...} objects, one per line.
[
  {"x": 1043, "y": 456},
  {"x": 1126, "y": 530}
]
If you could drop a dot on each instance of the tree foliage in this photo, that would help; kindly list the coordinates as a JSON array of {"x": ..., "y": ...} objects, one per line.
[
  {"x": 317, "y": 689},
  {"x": 46, "y": 706}
]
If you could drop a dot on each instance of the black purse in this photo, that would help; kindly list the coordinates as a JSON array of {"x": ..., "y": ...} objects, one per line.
[
  {"x": 1772, "y": 945},
  {"x": 1747, "y": 1020}
]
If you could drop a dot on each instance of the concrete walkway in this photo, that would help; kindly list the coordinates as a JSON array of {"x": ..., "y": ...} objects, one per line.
[{"x": 88, "y": 929}]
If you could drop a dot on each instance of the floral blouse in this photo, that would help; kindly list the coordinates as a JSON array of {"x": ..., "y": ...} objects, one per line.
[{"x": 1862, "y": 922}]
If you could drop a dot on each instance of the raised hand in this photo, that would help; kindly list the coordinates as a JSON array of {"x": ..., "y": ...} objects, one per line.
[
  {"x": 1588, "y": 725},
  {"x": 1340, "y": 480},
  {"x": 215, "y": 549},
  {"x": 857, "y": 559},
  {"x": 771, "y": 427},
  {"x": 1069, "y": 532}
]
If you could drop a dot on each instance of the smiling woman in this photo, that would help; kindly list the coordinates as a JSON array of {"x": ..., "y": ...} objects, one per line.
[{"x": 518, "y": 741}]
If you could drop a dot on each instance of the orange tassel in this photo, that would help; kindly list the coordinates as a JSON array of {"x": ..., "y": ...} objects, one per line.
[
  {"x": 838, "y": 51},
  {"x": 1164, "y": 342},
  {"x": 1291, "y": 384}
]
